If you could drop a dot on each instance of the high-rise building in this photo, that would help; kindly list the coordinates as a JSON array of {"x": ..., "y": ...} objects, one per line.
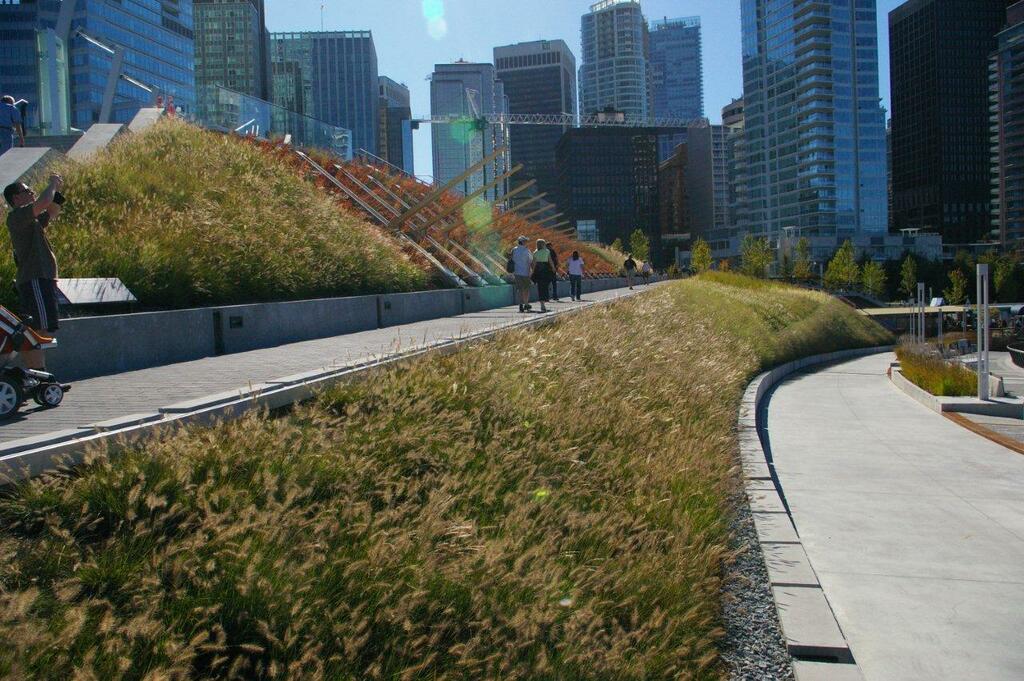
[
  {"x": 677, "y": 75},
  {"x": 232, "y": 48},
  {"x": 609, "y": 177},
  {"x": 539, "y": 78},
  {"x": 734, "y": 120},
  {"x": 468, "y": 91},
  {"x": 707, "y": 178},
  {"x": 814, "y": 129},
  {"x": 394, "y": 137},
  {"x": 39, "y": 65},
  {"x": 615, "y": 72},
  {"x": 340, "y": 82},
  {"x": 1007, "y": 78},
  {"x": 939, "y": 51}
]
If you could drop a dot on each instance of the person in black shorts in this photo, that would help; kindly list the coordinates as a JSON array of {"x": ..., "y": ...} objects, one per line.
[{"x": 37, "y": 266}]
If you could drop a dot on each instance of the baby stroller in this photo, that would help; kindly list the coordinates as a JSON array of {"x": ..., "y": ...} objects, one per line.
[{"x": 16, "y": 384}]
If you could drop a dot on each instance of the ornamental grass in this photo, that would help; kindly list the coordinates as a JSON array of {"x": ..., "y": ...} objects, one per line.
[
  {"x": 551, "y": 504},
  {"x": 925, "y": 368},
  {"x": 188, "y": 217}
]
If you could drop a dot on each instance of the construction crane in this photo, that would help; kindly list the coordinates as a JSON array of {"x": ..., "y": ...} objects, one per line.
[{"x": 604, "y": 119}]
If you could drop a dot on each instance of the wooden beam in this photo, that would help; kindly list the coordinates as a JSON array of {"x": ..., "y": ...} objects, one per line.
[
  {"x": 469, "y": 197},
  {"x": 440, "y": 191},
  {"x": 550, "y": 219}
]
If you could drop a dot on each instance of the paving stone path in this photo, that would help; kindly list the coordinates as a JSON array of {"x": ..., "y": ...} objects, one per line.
[
  {"x": 107, "y": 397},
  {"x": 913, "y": 524}
]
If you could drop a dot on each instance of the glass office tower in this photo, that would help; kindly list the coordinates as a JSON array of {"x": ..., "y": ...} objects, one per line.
[
  {"x": 815, "y": 131},
  {"x": 615, "y": 71},
  {"x": 466, "y": 91},
  {"x": 677, "y": 72},
  {"x": 157, "y": 40},
  {"x": 340, "y": 83},
  {"x": 232, "y": 47}
]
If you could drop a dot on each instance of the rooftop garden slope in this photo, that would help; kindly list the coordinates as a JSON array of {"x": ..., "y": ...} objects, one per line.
[
  {"x": 189, "y": 217},
  {"x": 553, "y": 504}
]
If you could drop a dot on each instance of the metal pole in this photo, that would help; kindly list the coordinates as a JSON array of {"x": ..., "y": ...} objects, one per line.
[
  {"x": 922, "y": 330},
  {"x": 983, "y": 332}
]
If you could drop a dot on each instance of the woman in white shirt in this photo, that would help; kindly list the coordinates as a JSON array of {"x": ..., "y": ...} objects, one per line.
[{"x": 576, "y": 276}]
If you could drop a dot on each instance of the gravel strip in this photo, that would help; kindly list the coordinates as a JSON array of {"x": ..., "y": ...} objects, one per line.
[{"x": 754, "y": 647}]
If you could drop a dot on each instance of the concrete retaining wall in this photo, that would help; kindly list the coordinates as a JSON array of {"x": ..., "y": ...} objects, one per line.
[
  {"x": 406, "y": 308},
  {"x": 251, "y": 327}
]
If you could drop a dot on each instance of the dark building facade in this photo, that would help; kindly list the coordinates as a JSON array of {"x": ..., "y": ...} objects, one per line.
[
  {"x": 394, "y": 137},
  {"x": 1007, "y": 77},
  {"x": 610, "y": 176},
  {"x": 673, "y": 199},
  {"x": 539, "y": 78},
  {"x": 940, "y": 115}
]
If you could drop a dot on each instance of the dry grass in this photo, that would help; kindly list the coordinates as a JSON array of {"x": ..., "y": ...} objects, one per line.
[
  {"x": 923, "y": 367},
  {"x": 550, "y": 505},
  {"x": 188, "y": 217}
]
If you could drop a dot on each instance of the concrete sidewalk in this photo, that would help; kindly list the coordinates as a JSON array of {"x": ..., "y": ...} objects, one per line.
[
  {"x": 914, "y": 525},
  {"x": 109, "y": 397}
]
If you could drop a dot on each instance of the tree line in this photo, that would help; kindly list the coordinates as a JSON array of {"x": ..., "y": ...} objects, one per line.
[{"x": 889, "y": 280}]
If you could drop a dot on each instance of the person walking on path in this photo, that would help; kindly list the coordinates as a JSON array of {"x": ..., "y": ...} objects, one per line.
[
  {"x": 10, "y": 123},
  {"x": 646, "y": 271},
  {"x": 33, "y": 256},
  {"x": 630, "y": 267},
  {"x": 522, "y": 260},
  {"x": 576, "y": 269},
  {"x": 543, "y": 273},
  {"x": 554, "y": 271}
]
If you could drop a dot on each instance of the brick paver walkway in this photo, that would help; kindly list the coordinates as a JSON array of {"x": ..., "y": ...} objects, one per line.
[{"x": 107, "y": 397}]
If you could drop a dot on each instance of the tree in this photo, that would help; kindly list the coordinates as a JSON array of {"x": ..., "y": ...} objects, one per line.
[
  {"x": 755, "y": 256},
  {"x": 616, "y": 245},
  {"x": 640, "y": 245},
  {"x": 873, "y": 279},
  {"x": 956, "y": 294},
  {"x": 700, "y": 256},
  {"x": 843, "y": 273},
  {"x": 802, "y": 270},
  {"x": 1004, "y": 279},
  {"x": 908, "y": 277}
]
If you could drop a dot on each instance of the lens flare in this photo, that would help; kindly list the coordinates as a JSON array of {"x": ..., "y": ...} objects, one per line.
[
  {"x": 437, "y": 28},
  {"x": 476, "y": 215},
  {"x": 433, "y": 9},
  {"x": 433, "y": 12}
]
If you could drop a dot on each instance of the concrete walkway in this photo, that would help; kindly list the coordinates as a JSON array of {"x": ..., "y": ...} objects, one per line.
[
  {"x": 914, "y": 525},
  {"x": 109, "y": 397}
]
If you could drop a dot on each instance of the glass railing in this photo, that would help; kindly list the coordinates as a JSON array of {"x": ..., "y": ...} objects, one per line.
[{"x": 229, "y": 111}]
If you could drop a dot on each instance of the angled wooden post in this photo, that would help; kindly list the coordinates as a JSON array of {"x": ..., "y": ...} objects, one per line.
[
  {"x": 469, "y": 197},
  {"x": 440, "y": 191}
]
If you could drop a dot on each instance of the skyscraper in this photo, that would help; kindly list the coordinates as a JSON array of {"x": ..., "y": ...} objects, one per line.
[
  {"x": 616, "y": 72},
  {"x": 157, "y": 43},
  {"x": 467, "y": 91},
  {"x": 939, "y": 51},
  {"x": 340, "y": 82},
  {"x": 539, "y": 78},
  {"x": 707, "y": 178},
  {"x": 815, "y": 132},
  {"x": 395, "y": 134},
  {"x": 232, "y": 47},
  {"x": 1007, "y": 78},
  {"x": 677, "y": 75}
]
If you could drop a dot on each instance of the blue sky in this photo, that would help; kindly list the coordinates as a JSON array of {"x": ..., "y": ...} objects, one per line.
[{"x": 408, "y": 45}]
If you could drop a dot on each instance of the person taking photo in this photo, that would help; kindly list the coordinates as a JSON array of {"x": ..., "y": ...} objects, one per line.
[{"x": 36, "y": 281}]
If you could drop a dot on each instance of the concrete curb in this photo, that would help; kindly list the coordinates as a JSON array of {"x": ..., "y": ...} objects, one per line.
[
  {"x": 1003, "y": 407},
  {"x": 813, "y": 636},
  {"x": 31, "y": 457}
]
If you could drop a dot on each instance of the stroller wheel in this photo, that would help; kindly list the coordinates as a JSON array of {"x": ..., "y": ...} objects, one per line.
[
  {"x": 10, "y": 398},
  {"x": 49, "y": 395}
]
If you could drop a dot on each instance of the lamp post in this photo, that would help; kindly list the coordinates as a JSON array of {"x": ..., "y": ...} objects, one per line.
[{"x": 984, "y": 334}]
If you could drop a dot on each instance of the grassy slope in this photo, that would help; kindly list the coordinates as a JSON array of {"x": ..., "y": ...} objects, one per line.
[
  {"x": 187, "y": 217},
  {"x": 551, "y": 505}
]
